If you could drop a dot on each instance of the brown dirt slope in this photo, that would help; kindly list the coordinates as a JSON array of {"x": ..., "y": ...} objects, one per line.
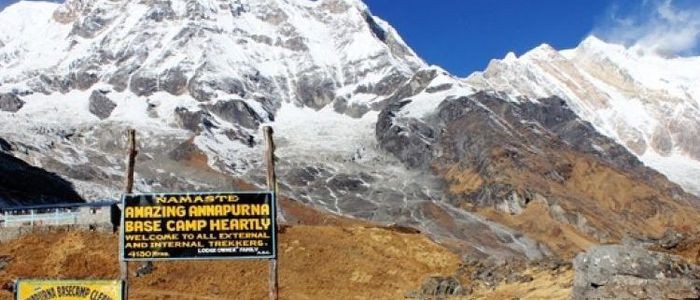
[
  {"x": 592, "y": 203},
  {"x": 316, "y": 262}
]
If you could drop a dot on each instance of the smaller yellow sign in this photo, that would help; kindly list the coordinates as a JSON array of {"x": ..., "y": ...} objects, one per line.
[{"x": 69, "y": 290}]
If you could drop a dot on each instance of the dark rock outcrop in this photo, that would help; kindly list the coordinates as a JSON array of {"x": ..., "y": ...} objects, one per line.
[
  {"x": 100, "y": 105},
  {"x": 85, "y": 72},
  {"x": 23, "y": 184},
  {"x": 296, "y": 44},
  {"x": 204, "y": 88},
  {"x": 340, "y": 105},
  {"x": 173, "y": 81},
  {"x": 120, "y": 78},
  {"x": 91, "y": 24},
  {"x": 413, "y": 143},
  {"x": 237, "y": 112},
  {"x": 345, "y": 183},
  {"x": 624, "y": 272},
  {"x": 191, "y": 120},
  {"x": 388, "y": 84},
  {"x": 161, "y": 10},
  {"x": 48, "y": 83},
  {"x": 315, "y": 92},
  {"x": 143, "y": 84},
  {"x": 10, "y": 103},
  {"x": 415, "y": 85}
]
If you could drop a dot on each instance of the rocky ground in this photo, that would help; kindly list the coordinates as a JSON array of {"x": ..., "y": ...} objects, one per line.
[{"x": 632, "y": 272}]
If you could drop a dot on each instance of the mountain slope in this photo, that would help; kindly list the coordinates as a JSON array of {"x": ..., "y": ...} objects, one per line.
[
  {"x": 649, "y": 104},
  {"x": 531, "y": 164},
  {"x": 198, "y": 78},
  {"x": 363, "y": 127}
]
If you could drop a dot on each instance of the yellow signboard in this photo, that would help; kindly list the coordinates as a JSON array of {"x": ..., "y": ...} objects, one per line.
[
  {"x": 69, "y": 290},
  {"x": 226, "y": 225}
]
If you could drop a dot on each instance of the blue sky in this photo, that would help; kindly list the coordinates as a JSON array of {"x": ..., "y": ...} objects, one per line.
[{"x": 463, "y": 35}]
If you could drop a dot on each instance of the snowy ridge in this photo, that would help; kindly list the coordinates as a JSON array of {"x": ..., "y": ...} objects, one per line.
[
  {"x": 337, "y": 42},
  {"x": 648, "y": 103}
]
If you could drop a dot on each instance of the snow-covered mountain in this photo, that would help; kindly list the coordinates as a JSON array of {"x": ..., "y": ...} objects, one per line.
[
  {"x": 648, "y": 103},
  {"x": 216, "y": 68},
  {"x": 363, "y": 126},
  {"x": 197, "y": 78}
]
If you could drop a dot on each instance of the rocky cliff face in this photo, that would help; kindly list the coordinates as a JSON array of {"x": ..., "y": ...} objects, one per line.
[{"x": 363, "y": 127}]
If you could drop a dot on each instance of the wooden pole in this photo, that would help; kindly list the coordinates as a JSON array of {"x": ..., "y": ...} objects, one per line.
[
  {"x": 272, "y": 186},
  {"x": 129, "y": 186},
  {"x": 131, "y": 161}
]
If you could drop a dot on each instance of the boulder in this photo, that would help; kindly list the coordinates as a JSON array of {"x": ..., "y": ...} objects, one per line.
[
  {"x": 629, "y": 272},
  {"x": 100, "y": 105},
  {"x": 10, "y": 103}
]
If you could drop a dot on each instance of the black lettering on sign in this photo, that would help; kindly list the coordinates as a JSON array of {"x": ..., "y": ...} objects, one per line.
[{"x": 46, "y": 294}]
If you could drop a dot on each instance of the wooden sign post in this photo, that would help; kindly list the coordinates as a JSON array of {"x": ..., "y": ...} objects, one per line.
[
  {"x": 272, "y": 186},
  {"x": 269, "y": 198},
  {"x": 129, "y": 186}
]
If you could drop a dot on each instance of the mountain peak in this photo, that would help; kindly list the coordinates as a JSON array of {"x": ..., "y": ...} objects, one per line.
[
  {"x": 510, "y": 56},
  {"x": 543, "y": 51},
  {"x": 593, "y": 45},
  {"x": 592, "y": 41}
]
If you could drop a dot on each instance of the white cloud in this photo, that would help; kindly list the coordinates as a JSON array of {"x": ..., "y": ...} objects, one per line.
[{"x": 666, "y": 27}]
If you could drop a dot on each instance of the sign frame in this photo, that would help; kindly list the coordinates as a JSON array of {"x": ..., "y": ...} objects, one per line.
[
  {"x": 123, "y": 290},
  {"x": 273, "y": 225}
]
